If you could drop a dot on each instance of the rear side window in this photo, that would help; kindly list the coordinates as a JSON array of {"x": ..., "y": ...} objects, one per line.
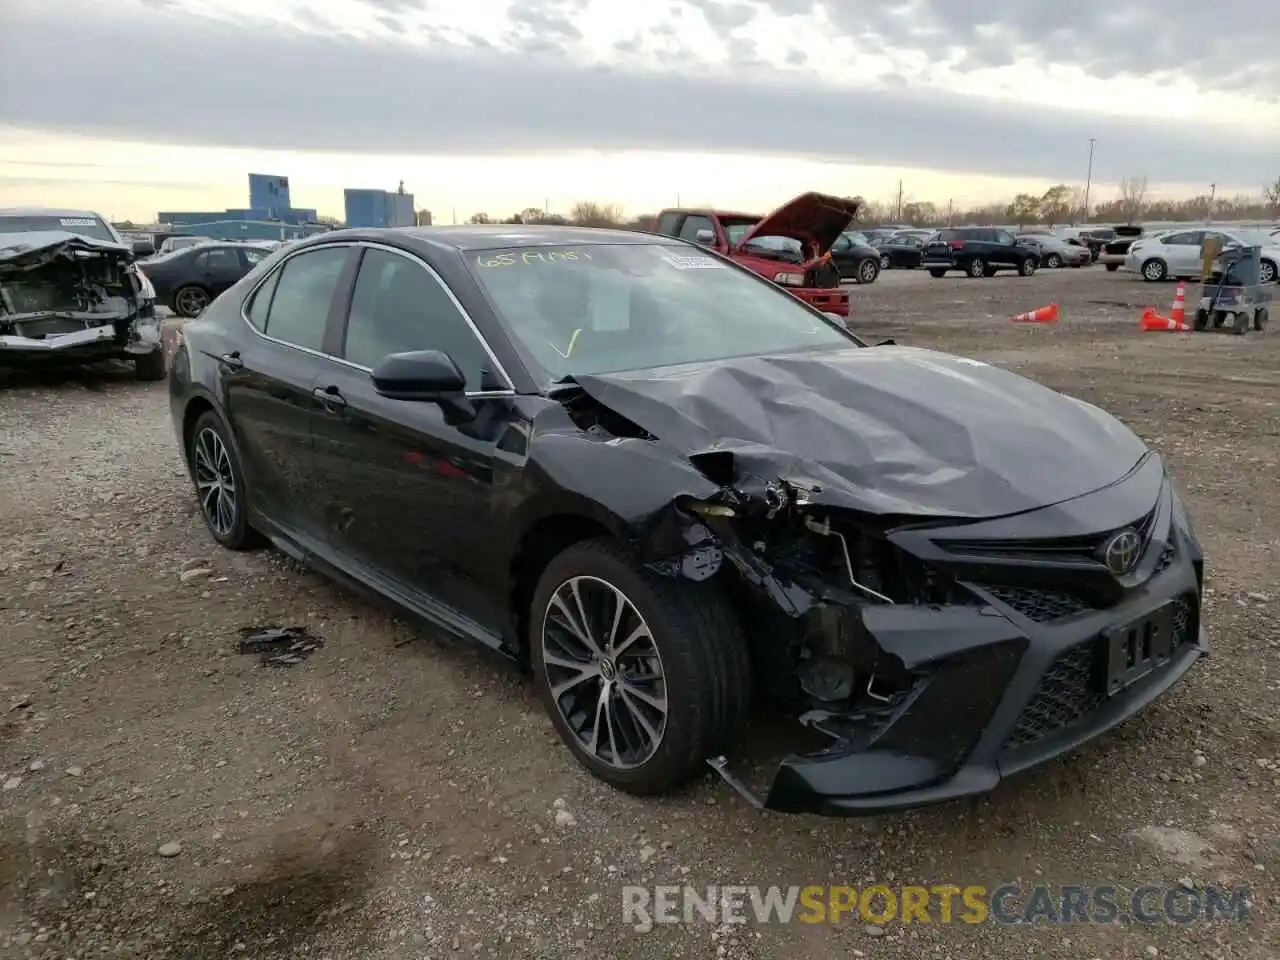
[
  {"x": 260, "y": 302},
  {"x": 219, "y": 258},
  {"x": 667, "y": 224},
  {"x": 303, "y": 295}
]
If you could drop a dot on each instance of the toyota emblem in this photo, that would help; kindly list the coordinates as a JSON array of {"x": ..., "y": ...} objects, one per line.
[{"x": 1122, "y": 551}]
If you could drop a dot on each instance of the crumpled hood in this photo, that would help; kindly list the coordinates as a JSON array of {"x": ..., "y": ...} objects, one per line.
[
  {"x": 889, "y": 430},
  {"x": 33, "y": 248}
]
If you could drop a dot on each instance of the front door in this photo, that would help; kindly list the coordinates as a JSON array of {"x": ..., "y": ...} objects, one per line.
[
  {"x": 405, "y": 494},
  {"x": 219, "y": 269}
]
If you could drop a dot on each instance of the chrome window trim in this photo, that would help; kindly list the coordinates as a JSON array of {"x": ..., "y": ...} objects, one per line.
[{"x": 508, "y": 391}]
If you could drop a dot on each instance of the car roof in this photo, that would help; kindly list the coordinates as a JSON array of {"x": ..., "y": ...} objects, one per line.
[
  {"x": 46, "y": 212},
  {"x": 489, "y": 236}
]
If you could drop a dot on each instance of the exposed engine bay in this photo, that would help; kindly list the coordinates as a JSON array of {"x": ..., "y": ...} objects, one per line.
[{"x": 63, "y": 292}]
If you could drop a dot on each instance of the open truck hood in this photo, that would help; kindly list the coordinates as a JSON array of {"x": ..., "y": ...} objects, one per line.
[
  {"x": 887, "y": 430},
  {"x": 810, "y": 218}
]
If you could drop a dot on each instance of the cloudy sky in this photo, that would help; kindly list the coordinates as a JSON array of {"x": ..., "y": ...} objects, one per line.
[{"x": 129, "y": 106}]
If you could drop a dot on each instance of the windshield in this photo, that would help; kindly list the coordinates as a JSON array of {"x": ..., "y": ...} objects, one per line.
[
  {"x": 736, "y": 228},
  {"x": 90, "y": 227},
  {"x": 600, "y": 308}
]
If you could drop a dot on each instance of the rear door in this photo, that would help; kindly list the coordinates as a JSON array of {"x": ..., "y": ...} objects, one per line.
[
  {"x": 218, "y": 269},
  {"x": 268, "y": 383},
  {"x": 1002, "y": 249}
]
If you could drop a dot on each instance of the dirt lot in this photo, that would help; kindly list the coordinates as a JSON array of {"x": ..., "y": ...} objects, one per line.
[{"x": 387, "y": 799}]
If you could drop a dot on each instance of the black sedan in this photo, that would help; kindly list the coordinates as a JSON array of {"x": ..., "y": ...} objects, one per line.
[
  {"x": 669, "y": 487},
  {"x": 856, "y": 259},
  {"x": 188, "y": 280},
  {"x": 901, "y": 251}
]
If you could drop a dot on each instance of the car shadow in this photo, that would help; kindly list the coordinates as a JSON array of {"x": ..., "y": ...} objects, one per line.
[{"x": 88, "y": 376}]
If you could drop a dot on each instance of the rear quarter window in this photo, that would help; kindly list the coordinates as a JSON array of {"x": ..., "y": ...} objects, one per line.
[{"x": 667, "y": 224}]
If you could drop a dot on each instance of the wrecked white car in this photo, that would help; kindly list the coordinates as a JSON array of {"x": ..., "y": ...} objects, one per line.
[{"x": 69, "y": 298}]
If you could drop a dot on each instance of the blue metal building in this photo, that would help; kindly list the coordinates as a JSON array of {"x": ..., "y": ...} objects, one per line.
[
  {"x": 378, "y": 208},
  {"x": 268, "y": 192}
]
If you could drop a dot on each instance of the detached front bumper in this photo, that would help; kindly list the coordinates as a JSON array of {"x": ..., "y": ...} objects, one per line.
[{"x": 999, "y": 689}]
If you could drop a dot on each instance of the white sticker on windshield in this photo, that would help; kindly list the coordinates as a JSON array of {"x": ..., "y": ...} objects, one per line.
[
  {"x": 693, "y": 263},
  {"x": 78, "y": 222}
]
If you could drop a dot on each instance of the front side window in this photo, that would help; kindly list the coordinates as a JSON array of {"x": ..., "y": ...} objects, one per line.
[
  {"x": 595, "y": 308},
  {"x": 303, "y": 295},
  {"x": 398, "y": 307}
]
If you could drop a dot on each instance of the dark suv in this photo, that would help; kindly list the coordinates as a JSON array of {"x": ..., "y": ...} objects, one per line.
[{"x": 979, "y": 252}]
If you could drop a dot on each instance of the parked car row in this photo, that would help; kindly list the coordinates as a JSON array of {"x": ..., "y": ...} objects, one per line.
[{"x": 1178, "y": 254}]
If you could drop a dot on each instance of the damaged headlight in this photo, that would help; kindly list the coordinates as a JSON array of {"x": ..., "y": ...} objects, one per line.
[{"x": 788, "y": 279}]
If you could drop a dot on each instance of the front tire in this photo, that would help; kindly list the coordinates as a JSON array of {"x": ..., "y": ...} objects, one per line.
[
  {"x": 219, "y": 481},
  {"x": 885, "y": 262},
  {"x": 1267, "y": 272},
  {"x": 1027, "y": 267},
  {"x": 868, "y": 270},
  {"x": 644, "y": 677}
]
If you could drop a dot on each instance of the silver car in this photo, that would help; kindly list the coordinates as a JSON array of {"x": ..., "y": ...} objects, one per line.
[
  {"x": 1056, "y": 252},
  {"x": 1177, "y": 254}
]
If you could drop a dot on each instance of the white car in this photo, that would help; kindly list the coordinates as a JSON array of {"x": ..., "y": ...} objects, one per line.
[{"x": 1176, "y": 254}]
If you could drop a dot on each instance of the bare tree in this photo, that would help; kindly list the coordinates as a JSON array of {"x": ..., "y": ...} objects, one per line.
[
  {"x": 481, "y": 218},
  {"x": 1271, "y": 193},
  {"x": 591, "y": 214},
  {"x": 1133, "y": 198}
]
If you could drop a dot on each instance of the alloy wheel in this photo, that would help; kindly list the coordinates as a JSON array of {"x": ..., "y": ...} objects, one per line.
[
  {"x": 604, "y": 672},
  {"x": 1266, "y": 272},
  {"x": 1154, "y": 270},
  {"x": 884, "y": 262},
  {"x": 192, "y": 302},
  {"x": 215, "y": 481},
  {"x": 868, "y": 271}
]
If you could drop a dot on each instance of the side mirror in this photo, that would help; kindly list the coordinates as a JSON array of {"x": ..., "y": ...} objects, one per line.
[
  {"x": 705, "y": 237},
  {"x": 428, "y": 376}
]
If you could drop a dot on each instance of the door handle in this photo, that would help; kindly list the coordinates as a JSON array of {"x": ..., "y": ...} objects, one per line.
[
  {"x": 330, "y": 396},
  {"x": 231, "y": 360}
]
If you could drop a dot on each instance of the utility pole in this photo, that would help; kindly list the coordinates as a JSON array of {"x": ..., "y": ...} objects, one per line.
[
  {"x": 898, "y": 218},
  {"x": 546, "y": 206},
  {"x": 951, "y": 213},
  {"x": 1213, "y": 192},
  {"x": 455, "y": 216},
  {"x": 1088, "y": 180}
]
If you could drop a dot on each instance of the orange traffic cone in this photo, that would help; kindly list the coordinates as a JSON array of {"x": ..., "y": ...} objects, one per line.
[
  {"x": 1153, "y": 321},
  {"x": 1047, "y": 314},
  {"x": 1179, "y": 313}
]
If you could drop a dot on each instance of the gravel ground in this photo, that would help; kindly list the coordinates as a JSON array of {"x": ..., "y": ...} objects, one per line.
[{"x": 164, "y": 796}]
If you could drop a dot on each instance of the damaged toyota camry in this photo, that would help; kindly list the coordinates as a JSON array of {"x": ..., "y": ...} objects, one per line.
[{"x": 674, "y": 491}]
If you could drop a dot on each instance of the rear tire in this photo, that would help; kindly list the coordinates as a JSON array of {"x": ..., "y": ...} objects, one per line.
[
  {"x": 868, "y": 270},
  {"x": 976, "y": 267},
  {"x": 1053, "y": 261},
  {"x": 1027, "y": 267},
  {"x": 1112, "y": 267},
  {"x": 149, "y": 367},
  {"x": 212, "y": 456},
  {"x": 691, "y": 639},
  {"x": 1202, "y": 319},
  {"x": 937, "y": 274},
  {"x": 1267, "y": 272},
  {"x": 1155, "y": 270}
]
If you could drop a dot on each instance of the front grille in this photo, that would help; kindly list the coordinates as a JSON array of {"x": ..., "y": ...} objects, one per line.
[
  {"x": 1042, "y": 606},
  {"x": 1072, "y": 687},
  {"x": 1067, "y": 694},
  {"x": 1079, "y": 549}
]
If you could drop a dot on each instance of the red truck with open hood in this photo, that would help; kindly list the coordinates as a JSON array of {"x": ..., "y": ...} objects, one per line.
[{"x": 790, "y": 246}]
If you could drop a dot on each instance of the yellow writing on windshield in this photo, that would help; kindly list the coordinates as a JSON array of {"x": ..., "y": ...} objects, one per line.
[{"x": 513, "y": 258}]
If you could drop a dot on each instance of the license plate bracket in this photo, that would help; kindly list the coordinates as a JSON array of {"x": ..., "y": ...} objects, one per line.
[{"x": 1138, "y": 647}]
